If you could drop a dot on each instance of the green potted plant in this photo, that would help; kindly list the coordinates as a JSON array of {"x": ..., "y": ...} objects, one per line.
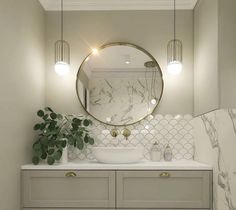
[{"x": 55, "y": 132}]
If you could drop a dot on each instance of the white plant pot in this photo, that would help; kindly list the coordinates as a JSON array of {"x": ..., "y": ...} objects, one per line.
[{"x": 64, "y": 157}]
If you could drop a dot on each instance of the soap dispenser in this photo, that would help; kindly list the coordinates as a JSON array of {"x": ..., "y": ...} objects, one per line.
[
  {"x": 168, "y": 153},
  {"x": 156, "y": 152}
]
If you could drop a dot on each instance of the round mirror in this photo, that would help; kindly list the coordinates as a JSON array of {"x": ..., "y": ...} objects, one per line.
[{"x": 119, "y": 84}]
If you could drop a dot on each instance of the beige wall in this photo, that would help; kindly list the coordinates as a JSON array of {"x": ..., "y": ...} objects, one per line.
[
  {"x": 206, "y": 85},
  {"x": 21, "y": 90},
  {"x": 227, "y": 53},
  {"x": 150, "y": 29}
]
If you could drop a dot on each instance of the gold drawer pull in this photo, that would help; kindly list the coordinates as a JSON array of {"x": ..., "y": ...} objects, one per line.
[
  {"x": 165, "y": 175},
  {"x": 70, "y": 174}
]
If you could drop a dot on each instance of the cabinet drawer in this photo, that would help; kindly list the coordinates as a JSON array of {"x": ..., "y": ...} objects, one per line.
[
  {"x": 53, "y": 189},
  {"x": 164, "y": 189},
  {"x": 71, "y": 209}
]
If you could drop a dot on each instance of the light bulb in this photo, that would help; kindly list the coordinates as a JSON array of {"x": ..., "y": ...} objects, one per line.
[
  {"x": 153, "y": 101},
  {"x": 174, "y": 67},
  {"x": 62, "y": 68}
]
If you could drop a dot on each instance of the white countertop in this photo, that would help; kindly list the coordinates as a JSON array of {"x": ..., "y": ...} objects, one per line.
[{"x": 144, "y": 165}]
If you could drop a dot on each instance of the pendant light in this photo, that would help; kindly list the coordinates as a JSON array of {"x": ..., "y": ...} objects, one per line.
[
  {"x": 62, "y": 51},
  {"x": 174, "y": 52}
]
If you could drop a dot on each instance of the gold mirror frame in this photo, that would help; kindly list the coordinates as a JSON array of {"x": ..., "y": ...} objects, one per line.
[{"x": 120, "y": 44}]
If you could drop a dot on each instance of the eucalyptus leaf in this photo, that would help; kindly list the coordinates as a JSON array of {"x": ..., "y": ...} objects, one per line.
[
  {"x": 51, "y": 151},
  {"x": 42, "y": 126},
  {"x": 53, "y": 115},
  {"x": 40, "y": 113},
  {"x": 44, "y": 141},
  {"x": 38, "y": 153},
  {"x": 78, "y": 122},
  {"x": 86, "y": 122},
  {"x": 86, "y": 139},
  {"x": 64, "y": 142},
  {"x": 80, "y": 145},
  {"x": 44, "y": 156},
  {"x": 57, "y": 155},
  {"x": 48, "y": 109},
  {"x": 52, "y": 125},
  {"x": 80, "y": 133},
  {"x": 79, "y": 139},
  {"x": 51, "y": 143},
  {"x": 50, "y": 160},
  {"x": 91, "y": 141},
  {"x": 45, "y": 117},
  {"x": 37, "y": 127},
  {"x": 36, "y": 146},
  {"x": 35, "y": 160}
]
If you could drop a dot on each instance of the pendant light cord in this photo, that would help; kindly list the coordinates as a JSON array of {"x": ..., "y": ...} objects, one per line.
[
  {"x": 62, "y": 14},
  {"x": 62, "y": 30},
  {"x": 174, "y": 53},
  {"x": 174, "y": 20}
]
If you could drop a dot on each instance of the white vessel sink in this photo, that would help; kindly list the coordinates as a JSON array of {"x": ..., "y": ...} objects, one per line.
[{"x": 118, "y": 155}]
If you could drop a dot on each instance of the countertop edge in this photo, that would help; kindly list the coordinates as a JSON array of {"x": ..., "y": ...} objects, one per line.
[{"x": 191, "y": 166}]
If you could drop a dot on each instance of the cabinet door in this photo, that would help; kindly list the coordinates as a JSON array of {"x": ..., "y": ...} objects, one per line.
[
  {"x": 164, "y": 189},
  {"x": 77, "y": 189}
]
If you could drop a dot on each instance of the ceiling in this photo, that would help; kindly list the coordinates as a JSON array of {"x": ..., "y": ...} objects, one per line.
[
  {"x": 115, "y": 57},
  {"x": 72, "y": 5}
]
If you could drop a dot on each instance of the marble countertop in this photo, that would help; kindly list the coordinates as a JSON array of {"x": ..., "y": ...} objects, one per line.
[{"x": 144, "y": 165}]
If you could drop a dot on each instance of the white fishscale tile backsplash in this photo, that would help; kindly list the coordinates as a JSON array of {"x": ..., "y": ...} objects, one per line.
[{"x": 176, "y": 131}]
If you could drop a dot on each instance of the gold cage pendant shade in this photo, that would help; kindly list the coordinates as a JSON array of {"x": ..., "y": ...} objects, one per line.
[
  {"x": 174, "y": 56},
  {"x": 62, "y": 57}
]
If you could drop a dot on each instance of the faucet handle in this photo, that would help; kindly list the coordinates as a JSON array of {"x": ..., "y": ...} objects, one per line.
[
  {"x": 126, "y": 133},
  {"x": 114, "y": 132}
]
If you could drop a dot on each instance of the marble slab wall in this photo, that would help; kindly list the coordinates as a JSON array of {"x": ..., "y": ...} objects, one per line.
[
  {"x": 177, "y": 131},
  {"x": 215, "y": 140},
  {"x": 122, "y": 100}
]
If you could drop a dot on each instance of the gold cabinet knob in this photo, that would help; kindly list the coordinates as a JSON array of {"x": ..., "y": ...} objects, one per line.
[
  {"x": 164, "y": 175},
  {"x": 70, "y": 174}
]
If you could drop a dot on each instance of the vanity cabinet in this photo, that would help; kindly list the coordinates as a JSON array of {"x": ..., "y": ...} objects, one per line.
[{"x": 116, "y": 189}]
